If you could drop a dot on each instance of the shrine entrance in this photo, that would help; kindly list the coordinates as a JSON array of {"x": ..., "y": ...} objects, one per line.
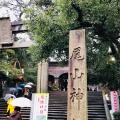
[
  {"x": 50, "y": 82},
  {"x": 63, "y": 82}
]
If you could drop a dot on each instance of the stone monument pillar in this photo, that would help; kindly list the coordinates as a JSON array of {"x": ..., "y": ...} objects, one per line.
[
  {"x": 42, "y": 77},
  {"x": 77, "y": 77}
]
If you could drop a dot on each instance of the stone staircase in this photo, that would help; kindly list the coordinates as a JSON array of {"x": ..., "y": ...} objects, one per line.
[
  {"x": 96, "y": 110},
  {"x": 3, "y": 115},
  {"x": 58, "y": 107}
]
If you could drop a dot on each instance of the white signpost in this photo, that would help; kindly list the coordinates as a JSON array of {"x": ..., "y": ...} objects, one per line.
[{"x": 39, "y": 109}]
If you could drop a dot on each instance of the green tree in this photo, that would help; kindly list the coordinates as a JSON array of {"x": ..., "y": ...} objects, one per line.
[
  {"x": 50, "y": 26},
  {"x": 8, "y": 57},
  {"x": 11, "y": 63}
]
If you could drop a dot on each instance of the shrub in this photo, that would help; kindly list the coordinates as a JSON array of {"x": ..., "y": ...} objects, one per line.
[{"x": 116, "y": 115}]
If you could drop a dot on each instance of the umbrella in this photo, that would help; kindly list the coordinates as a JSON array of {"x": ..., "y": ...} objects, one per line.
[
  {"x": 12, "y": 89},
  {"x": 21, "y": 102},
  {"x": 18, "y": 88},
  {"x": 30, "y": 83},
  {"x": 22, "y": 85},
  {"x": 28, "y": 86},
  {"x": 8, "y": 96}
]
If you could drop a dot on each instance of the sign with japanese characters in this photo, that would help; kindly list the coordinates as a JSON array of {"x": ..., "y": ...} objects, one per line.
[
  {"x": 5, "y": 31},
  {"x": 77, "y": 77},
  {"x": 114, "y": 101},
  {"x": 39, "y": 109}
]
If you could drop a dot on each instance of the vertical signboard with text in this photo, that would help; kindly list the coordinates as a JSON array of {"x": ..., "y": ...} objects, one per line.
[
  {"x": 77, "y": 77},
  {"x": 114, "y": 101},
  {"x": 39, "y": 109}
]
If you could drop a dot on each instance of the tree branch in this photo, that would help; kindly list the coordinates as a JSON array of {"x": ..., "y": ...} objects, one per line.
[{"x": 80, "y": 16}]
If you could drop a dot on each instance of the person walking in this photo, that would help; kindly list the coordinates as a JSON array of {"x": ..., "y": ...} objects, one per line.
[
  {"x": 16, "y": 115},
  {"x": 10, "y": 108}
]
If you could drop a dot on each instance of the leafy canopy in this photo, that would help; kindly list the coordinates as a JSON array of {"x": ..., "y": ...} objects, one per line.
[{"x": 50, "y": 26}]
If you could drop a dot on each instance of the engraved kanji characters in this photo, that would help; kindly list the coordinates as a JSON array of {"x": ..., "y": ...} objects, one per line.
[
  {"x": 75, "y": 68},
  {"x": 73, "y": 95},
  {"x": 77, "y": 95}
]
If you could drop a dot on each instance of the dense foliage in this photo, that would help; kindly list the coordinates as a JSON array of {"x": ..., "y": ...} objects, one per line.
[
  {"x": 116, "y": 115},
  {"x": 50, "y": 26},
  {"x": 13, "y": 61},
  {"x": 7, "y": 70}
]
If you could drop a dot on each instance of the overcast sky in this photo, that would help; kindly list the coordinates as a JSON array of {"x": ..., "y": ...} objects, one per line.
[{"x": 6, "y": 12}]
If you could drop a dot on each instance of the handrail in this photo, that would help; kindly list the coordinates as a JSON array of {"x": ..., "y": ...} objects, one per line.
[{"x": 107, "y": 111}]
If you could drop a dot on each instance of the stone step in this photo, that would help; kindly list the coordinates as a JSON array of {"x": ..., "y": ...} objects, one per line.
[{"x": 58, "y": 107}]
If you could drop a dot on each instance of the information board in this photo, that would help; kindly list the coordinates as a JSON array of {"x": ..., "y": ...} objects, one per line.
[{"x": 39, "y": 109}]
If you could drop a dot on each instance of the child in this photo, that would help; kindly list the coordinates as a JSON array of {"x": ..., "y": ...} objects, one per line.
[{"x": 10, "y": 108}]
